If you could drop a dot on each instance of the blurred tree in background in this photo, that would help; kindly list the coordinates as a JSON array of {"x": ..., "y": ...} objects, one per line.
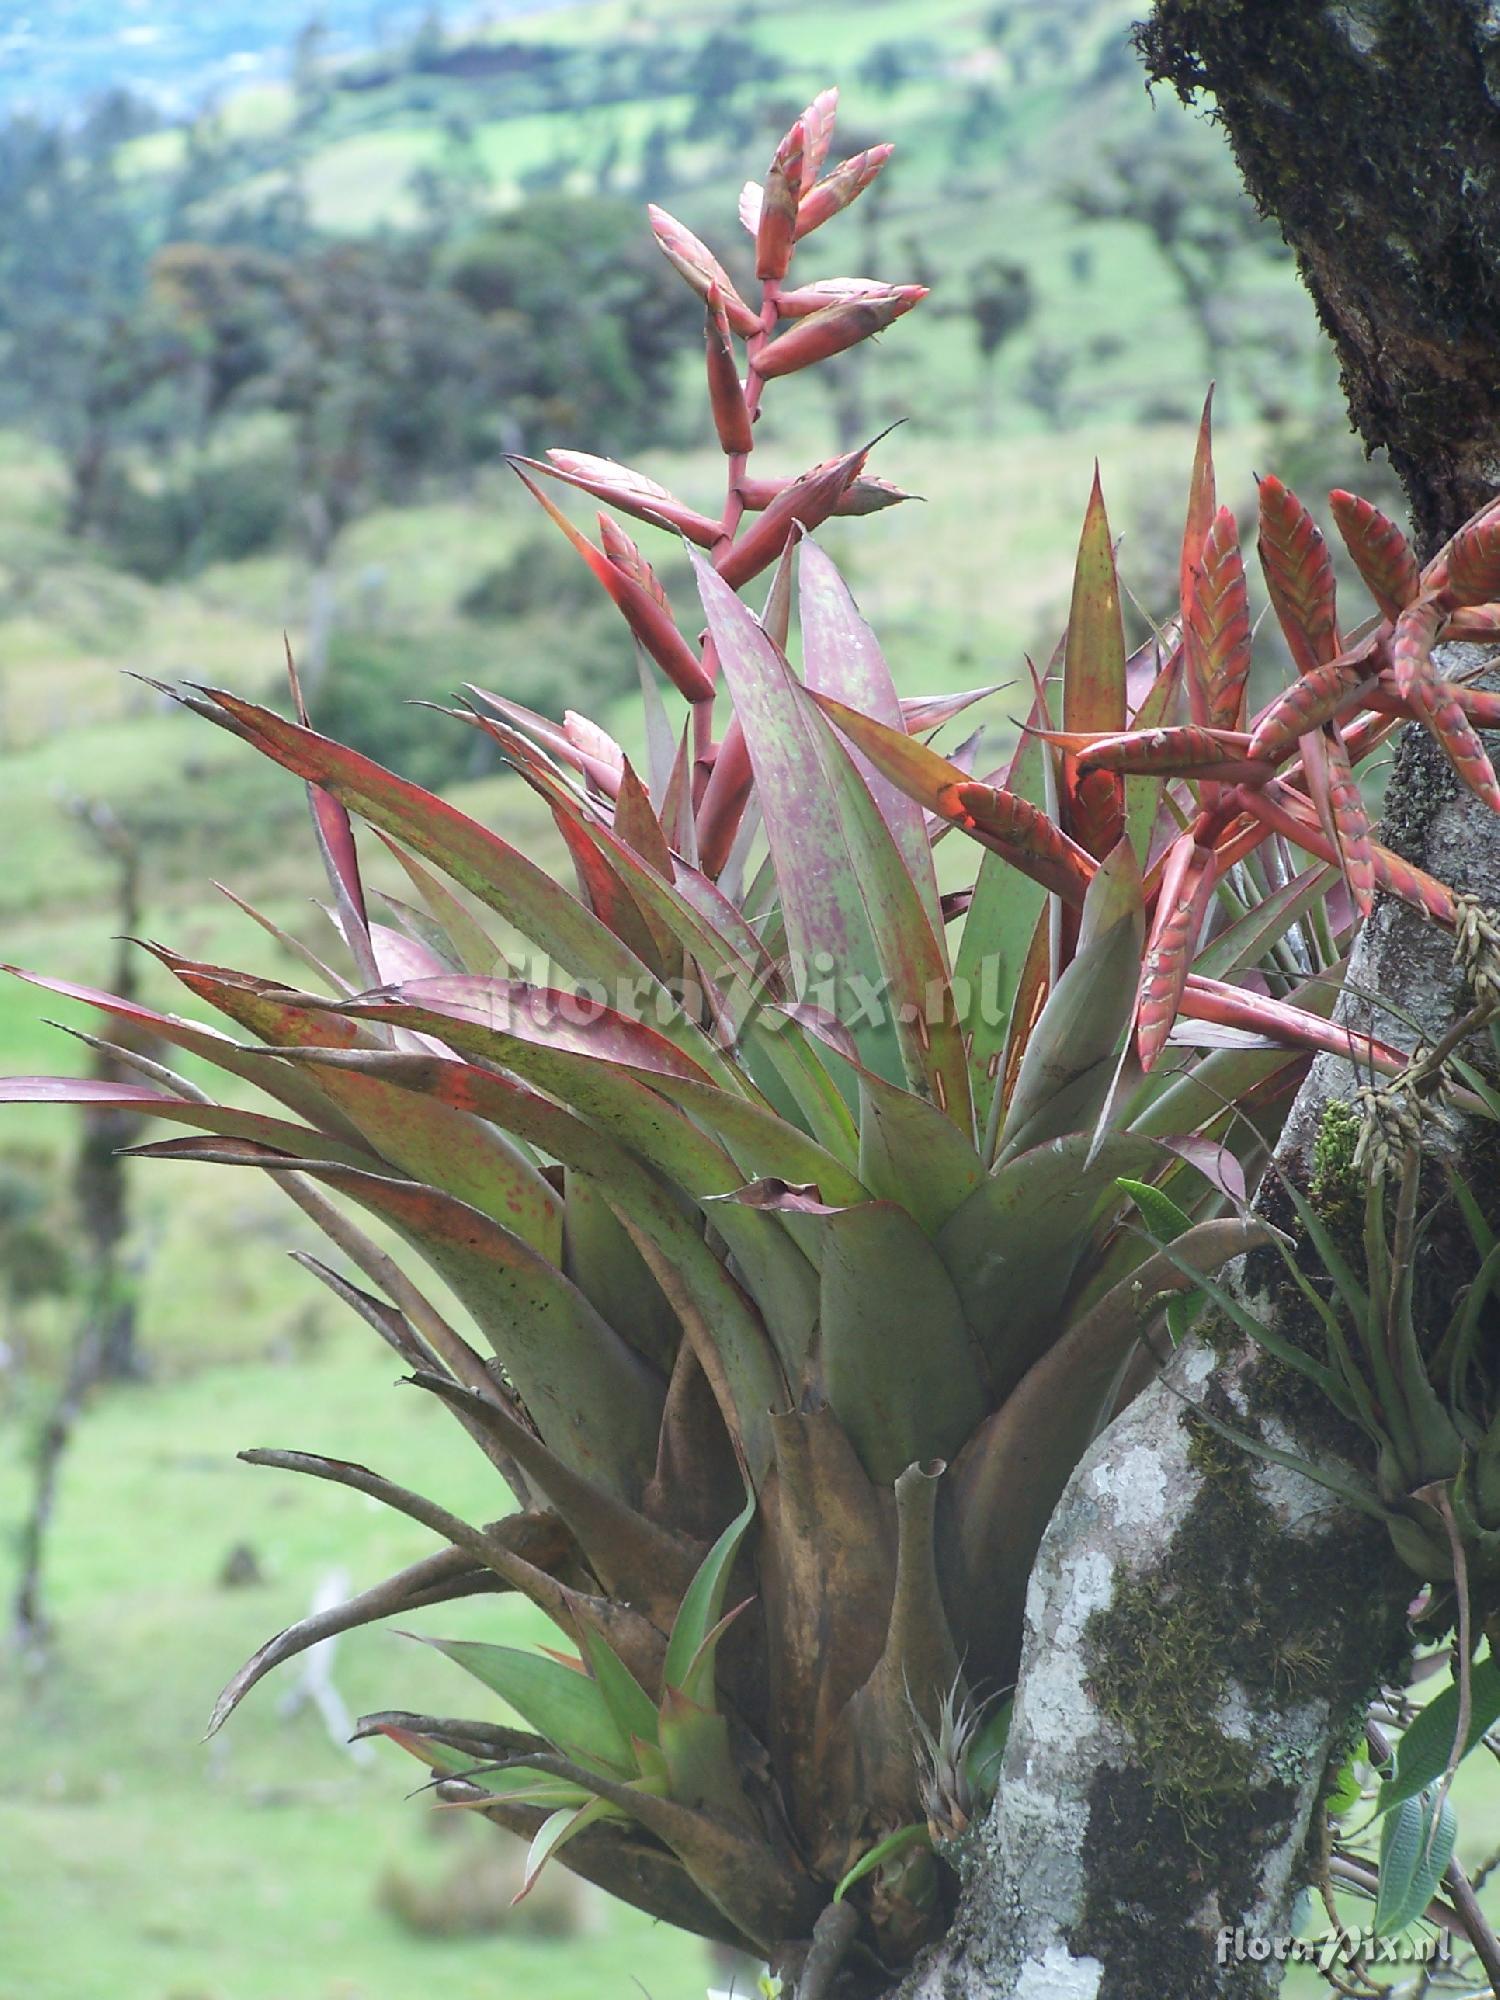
[{"x": 81, "y": 350}]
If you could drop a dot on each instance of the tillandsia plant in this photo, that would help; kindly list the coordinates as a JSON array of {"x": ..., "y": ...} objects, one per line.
[
  {"x": 781, "y": 1188},
  {"x": 1384, "y": 1203},
  {"x": 1427, "y": 1398}
]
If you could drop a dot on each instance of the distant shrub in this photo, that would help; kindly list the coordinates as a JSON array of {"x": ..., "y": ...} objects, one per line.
[
  {"x": 215, "y": 513},
  {"x": 35, "y": 1261},
  {"x": 375, "y": 682},
  {"x": 220, "y": 801},
  {"x": 542, "y": 575}
]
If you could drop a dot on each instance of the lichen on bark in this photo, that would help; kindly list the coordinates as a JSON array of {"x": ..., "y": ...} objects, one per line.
[{"x": 1196, "y": 1659}]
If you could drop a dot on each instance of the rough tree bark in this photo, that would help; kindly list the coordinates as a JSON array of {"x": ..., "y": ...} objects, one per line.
[
  {"x": 1203, "y": 1630},
  {"x": 1370, "y": 130}
]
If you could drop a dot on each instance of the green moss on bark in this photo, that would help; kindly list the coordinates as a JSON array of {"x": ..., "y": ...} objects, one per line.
[
  {"x": 1336, "y": 1186},
  {"x": 1231, "y": 1621}
]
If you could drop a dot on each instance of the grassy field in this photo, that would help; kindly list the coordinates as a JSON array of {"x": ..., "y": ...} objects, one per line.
[{"x": 138, "y": 1863}]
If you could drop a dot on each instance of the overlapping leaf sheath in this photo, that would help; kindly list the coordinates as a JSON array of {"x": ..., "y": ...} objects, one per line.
[{"x": 783, "y": 1198}]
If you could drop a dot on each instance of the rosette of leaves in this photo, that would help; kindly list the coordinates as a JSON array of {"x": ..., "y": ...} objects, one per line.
[{"x": 776, "y": 1185}]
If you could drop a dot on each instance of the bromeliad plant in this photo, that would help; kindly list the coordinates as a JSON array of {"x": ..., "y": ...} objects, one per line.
[{"x": 778, "y": 1186}]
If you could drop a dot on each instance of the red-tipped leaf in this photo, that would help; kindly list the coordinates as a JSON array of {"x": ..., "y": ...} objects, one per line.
[
  {"x": 806, "y": 504},
  {"x": 1187, "y": 885},
  {"x": 1201, "y": 508},
  {"x": 631, "y": 491},
  {"x": 1011, "y": 826},
  {"x": 641, "y": 606},
  {"x": 726, "y": 397},
  {"x": 776, "y": 224},
  {"x": 835, "y": 191},
  {"x": 1217, "y": 631}
]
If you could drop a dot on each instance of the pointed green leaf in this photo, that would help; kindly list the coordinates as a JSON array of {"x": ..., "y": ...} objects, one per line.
[
  {"x": 601, "y": 1064},
  {"x": 595, "y": 1402},
  {"x": 841, "y": 656},
  {"x": 631, "y": 1708},
  {"x": 1069, "y": 1063},
  {"x": 703, "y": 1603},
  {"x": 1009, "y": 1479},
  {"x": 894, "y": 1845},
  {"x": 851, "y": 908},
  {"x": 1143, "y": 795},
  {"x": 420, "y": 1139},
  {"x": 604, "y": 1263},
  {"x": 1202, "y": 502},
  {"x": 475, "y": 949},
  {"x": 1427, "y": 1746},
  {"x": 763, "y": 1143},
  {"x": 1013, "y": 1247},
  {"x": 701, "y": 1770},
  {"x": 420, "y": 928},
  {"x": 499, "y": 874},
  {"x": 1094, "y": 682},
  {"x": 1413, "y": 1855},
  {"x": 986, "y": 1749},
  {"x": 554, "y": 1833},
  {"x": 898, "y": 1364},
  {"x": 1164, "y": 1219},
  {"x": 997, "y": 934},
  {"x": 911, "y": 1154},
  {"x": 723, "y": 1327},
  {"x": 297, "y": 1092},
  {"x": 445, "y": 1760},
  {"x": 566, "y": 1707},
  {"x": 1245, "y": 942},
  {"x": 1267, "y": 1337},
  {"x": 698, "y": 1681},
  {"x": 94, "y": 1093},
  {"x": 1094, "y": 659}
]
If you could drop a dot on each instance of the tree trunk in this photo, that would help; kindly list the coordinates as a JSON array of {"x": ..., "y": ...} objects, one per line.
[
  {"x": 1370, "y": 130},
  {"x": 1204, "y": 1629},
  {"x": 86, "y": 466},
  {"x": 100, "y": 1183},
  {"x": 105, "y": 1346}
]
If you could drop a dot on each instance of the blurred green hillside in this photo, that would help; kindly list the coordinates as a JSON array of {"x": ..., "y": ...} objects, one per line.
[{"x": 259, "y": 370}]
